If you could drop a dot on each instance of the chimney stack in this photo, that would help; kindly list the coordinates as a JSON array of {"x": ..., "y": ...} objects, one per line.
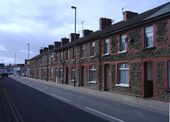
[
  {"x": 72, "y": 36},
  {"x": 41, "y": 51},
  {"x": 86, "y": 32},
  {"x": 104, "y": 23},
  {"x": 129, "y": 14},
  {"x": 50, "y": 47},
  {"x": 64, "y": 41},
  {"x": 45, "y": 49},
  {"x": 57, "y": 44}
]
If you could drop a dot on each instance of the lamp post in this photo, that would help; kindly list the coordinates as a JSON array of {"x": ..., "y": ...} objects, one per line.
[
  {"x": 28, "y": 50},
  {"x": 73, "y": 7},
  {"x": 15, "y": 58},
  {"x": 28, "y": 70}
]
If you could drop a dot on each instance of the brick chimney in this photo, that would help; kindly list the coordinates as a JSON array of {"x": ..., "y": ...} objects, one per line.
[
  {"x": 50, "y": 47},
  {"x": 41, "y": 51},
  {"x": 72, "y": 36},
  {"x": 45, "y": 49},
  {"x": 129, "y": 14},
  {"x": 64, "y": 41},
  {"x": 57, "y": 44},
  {"x": 104, "y": 22},
  {"x": 86, "y": 32}
]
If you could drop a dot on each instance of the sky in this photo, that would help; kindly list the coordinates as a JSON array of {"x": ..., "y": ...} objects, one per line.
[{"x": 42, "y": 22}]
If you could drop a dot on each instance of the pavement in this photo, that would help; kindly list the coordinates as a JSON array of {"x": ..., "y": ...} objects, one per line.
[{"x": 151, "y": 104}]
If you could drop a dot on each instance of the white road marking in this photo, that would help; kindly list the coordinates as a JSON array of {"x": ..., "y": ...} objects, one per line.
[
  {"x": 56, "y": 96},
  {"x": 104, "y": 114}
]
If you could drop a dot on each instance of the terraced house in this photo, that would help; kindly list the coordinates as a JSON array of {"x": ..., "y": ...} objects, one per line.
[{"x": 130, "y": 57}]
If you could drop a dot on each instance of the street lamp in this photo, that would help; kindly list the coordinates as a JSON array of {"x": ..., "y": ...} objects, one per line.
[
  {"x": 28, "y": 62},
  {"x": 28, "y": 50},
  {"x": 73, "y": 7}
]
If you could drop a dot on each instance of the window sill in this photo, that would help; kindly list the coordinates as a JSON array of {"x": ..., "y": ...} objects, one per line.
[
  {"x": 72, "y": 59},
  {"x": 148, "y": 48},
  {"x": 122, "y": 52},
  {"x": 92, "y": 82},
  {"x": 123, "y": 85},
  {"x": 106, "y": 54},
  {"x": 66, "y": 60},
  {"x": 72, "y": 80},
  {"x": 92, "y": 56}
]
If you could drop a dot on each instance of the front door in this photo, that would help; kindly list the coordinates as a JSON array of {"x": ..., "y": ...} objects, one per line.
[
  {"x": 148, "y": 79},
  {"x": 82, "y": 76},
  {"x": 106, "y": 77},
  {"x": 67, "y": 75}
]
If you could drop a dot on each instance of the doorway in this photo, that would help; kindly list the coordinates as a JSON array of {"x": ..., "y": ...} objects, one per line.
[
  {"x": 148, "y": 79},
  {"x": 82, "y": 76},
  {"x": 66, "y": 75},
  {"x": 106, "y": 77}
]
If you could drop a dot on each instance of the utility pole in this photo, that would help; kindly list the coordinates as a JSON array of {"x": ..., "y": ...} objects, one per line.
[{"x": 28, "y": 50}]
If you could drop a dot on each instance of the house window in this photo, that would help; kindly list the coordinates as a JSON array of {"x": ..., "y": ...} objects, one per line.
[
  {"x": 51, "y": 59},
  {"x": 123, "y": 75},
  {"x": 92, "y": 49},
  {"x": 66, "y": 54},
  {"x": 169, "y": 74},
  {"x": 92, "y": 75},
  {"x": 61, "y": 55},
  {"x": 123, "y": 44},
  {"x": 60, "y": 73},
  {"x": 106, "y": 46},
  {"x": 52, "y": 72},
  {"x": 149, "y": 36},
  {"x": 82, "y": 51},
  {"x": 73, "y": 71},
  {"x": 73, "y": 53}
]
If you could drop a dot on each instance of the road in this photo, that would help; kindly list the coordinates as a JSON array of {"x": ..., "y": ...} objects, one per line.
[{"x": 37, "y": 102}]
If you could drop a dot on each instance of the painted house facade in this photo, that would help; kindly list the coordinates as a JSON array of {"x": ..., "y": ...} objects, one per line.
[{"x": 130, "y": 57}]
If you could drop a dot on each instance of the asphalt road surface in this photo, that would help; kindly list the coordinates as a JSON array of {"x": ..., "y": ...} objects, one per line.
[
  {"x": 34, "y": 106},
  {"x": 36, "y": 102}
]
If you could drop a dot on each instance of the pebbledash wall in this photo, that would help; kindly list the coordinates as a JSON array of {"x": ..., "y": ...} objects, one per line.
[{"x": 130, "y": 57}]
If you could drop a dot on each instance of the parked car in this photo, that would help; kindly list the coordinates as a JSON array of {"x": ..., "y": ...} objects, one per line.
[{"x": 4, "y": 74}]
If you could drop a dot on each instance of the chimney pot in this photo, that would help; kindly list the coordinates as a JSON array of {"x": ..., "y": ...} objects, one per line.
[
  {"x": 72, "y": 36},
  {"x": 104, "y": 22},
  {"x": 86, "y": 32},
  {"x": 129, "y": 14}
]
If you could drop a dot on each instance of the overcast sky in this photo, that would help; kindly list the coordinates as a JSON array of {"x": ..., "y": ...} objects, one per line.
[{"x": 41, "y": 22}]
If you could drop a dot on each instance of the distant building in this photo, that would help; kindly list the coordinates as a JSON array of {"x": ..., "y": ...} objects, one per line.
[
  {"x": 2, "y": 68},
  {"x": 19, "y": 69}
]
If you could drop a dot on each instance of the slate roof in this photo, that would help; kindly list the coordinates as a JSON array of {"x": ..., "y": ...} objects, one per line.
[{"x": 163, "y": 10}]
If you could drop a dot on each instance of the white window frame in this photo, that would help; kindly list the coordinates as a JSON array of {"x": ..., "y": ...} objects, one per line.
[
  {"x": 61, "y": 71},
  {"x": 92, "y": 68},
  {"x": 92, "y": 45},
  {"x": 149, "y": 33},
  {"x": 123, "y": 40},
  {"x": 61, "y": 55},
  {"x": 52, "y": 72},
  {"x": 67, "y": 55},
  {"x": 107, "y": 42},
  {"x": 73, "y": 70},
  {"x": 83, "y": 51},
  {"x": 119, "y": 83}
]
